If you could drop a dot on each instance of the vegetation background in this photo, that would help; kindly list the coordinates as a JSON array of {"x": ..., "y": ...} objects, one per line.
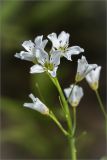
[{"x": 26, "y": 134}]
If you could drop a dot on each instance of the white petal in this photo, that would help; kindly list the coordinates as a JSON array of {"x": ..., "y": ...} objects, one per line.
[
  {"x": 25, "y": 56},
  {"x": 55, "y": 57},
  {"x": 89, "y": 77},
  {"x": 90, "y": 68},
  {"x": 54, "y": 40},
  {"x": 97, "y": 73},
  {"x": 29, "y": 105},
  {"x": 79, "y": 93},
  {"x": 75, "y": 50},
  {"x": 44, "y": 43},
  {"x": 82, "y": 65},
  {"x": 17, "y": 55},
  {"x": 53, "y": 73},
  {"x": 67, "y": 92},
  {"x": 93, "y": 76},
  {"x": 38, "y": 54},
  {"x": 63, "y": 38},
  {"x": 42, "y": 56},
  {"x": 28, "y": 45},
  {"x": 83, "y": 68},
  {"x": 32, "y": 97},
  {"x": 40, "y": 107},
  {"x": 67, "y": 55},
  {"x": 36, "y": 69},
  {"x": 38, "y": 40},
  {"x": 76, "y": 94},
  {"x": 37, "y": 105}
]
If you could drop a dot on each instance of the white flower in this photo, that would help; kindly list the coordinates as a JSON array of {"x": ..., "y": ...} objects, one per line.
[
  {"x": 93, "y": 78},
  {"x": 74, "y": 94},
  {"x": 47, "y": 62},
  {"x": 37, "y": 105},
  {"x": 61, "y": 44},
  {"x": 83, "y": 69},
  {"x": 30, "y": 53}
]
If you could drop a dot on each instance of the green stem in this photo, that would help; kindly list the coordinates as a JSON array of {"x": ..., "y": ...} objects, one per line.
[
  {"x": 74, "y": 118},
  {"x": 68, "y": 118},
  {"x": 61, "y": 104},
  {"x": 73, "y": 149},
  {"x": 101, "y": 104},
  {"x": 58, "y": 123},
  {"x": 71, "y": 139},
  {"x": 65, "y": 105}
]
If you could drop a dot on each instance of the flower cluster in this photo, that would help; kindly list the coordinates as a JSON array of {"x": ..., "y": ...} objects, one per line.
[
  {"x": 49, "y": 61},
  {"x": 45, "y": 61}
]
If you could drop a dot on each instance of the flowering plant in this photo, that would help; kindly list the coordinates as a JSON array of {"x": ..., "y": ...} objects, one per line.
[{"x": 49, "y": 62}]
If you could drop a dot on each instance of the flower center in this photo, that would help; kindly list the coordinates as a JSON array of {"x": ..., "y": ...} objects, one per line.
[
  {"x": 49, "y": 66},
  {"x": 63, "y": 49}
]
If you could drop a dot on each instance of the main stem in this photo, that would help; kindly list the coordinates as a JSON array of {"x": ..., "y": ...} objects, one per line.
[
  {"x": 74, "y": 123},
  {"x": 65, "y": 105},
  {"x": 68, "y": 118},
  {"x": 73, "y": 149}
]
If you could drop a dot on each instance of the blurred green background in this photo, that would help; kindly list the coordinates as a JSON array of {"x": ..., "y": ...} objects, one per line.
[{"x": 26, "y": 134}]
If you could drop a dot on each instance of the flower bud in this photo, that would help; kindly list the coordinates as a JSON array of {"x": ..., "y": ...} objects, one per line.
[{"x": 37, "y": 105}]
